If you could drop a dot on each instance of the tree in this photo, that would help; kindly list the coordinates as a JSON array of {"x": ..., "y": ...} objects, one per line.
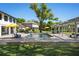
[
  {"x": 29, "y": 21},
  {"x": 33, "y": 21},
  {"x": 50, "y": 23},
  {"x": 20, "y": 20},
  {"x": 42, "y": 13}
]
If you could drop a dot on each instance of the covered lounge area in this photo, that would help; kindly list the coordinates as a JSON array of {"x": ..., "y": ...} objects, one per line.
[{"x": 68, "y": 27}]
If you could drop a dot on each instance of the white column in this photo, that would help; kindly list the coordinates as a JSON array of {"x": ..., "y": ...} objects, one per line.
[
  {"x": 9, "y": 30},
  {"x": 0, "y": 31},
  {"x": 2, "y": 17},
  {"x": 59, "y": 29},
  {"x": 12, "y": 20},
  {"x": 15, "y": 27},
  {"x": 8, "y": 19},
  {"x": 62, "y": 30},
  {"x": 14, "y": 30},
  {"x": 76, "y": 29}
]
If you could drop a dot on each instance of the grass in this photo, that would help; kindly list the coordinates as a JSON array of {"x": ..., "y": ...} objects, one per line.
[{"x": 44, "y": 49}]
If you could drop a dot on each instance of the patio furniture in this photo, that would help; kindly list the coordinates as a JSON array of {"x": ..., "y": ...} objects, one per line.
[
  {"x": 17, "y": 36},
  {"x": 74, "y": 35}
]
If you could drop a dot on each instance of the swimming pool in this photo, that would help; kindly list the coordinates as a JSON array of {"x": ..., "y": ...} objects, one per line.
[{"x": 38, "y": 36}]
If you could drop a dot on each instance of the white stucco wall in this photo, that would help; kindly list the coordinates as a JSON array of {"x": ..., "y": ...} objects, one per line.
[
  {"x": 35, "y": 26},
  {"x": 4, "y": 23}
]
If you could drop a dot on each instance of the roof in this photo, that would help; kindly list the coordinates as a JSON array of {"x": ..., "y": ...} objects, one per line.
[
  {"x": 6, "y": 14},
  {"x": 72, "y": 20},
  {"x": 21, "y": 25},
  {"x": 69, "y": 21}
]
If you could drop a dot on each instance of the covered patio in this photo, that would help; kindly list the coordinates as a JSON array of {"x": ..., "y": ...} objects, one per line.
[
  {"x": 8, "y": 29},
  {"x": 68, "y": 27}
]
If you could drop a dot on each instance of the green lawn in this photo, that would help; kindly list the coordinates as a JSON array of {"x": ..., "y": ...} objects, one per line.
[{"x": 46, "y": 49}]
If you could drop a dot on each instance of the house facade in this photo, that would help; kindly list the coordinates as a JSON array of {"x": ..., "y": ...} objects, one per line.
[
  {"x": 6, "y": 19},
  {"x": 31, "y": 25}
]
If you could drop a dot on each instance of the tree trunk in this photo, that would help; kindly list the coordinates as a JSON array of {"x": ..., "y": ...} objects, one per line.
[
  {"x": 40, "y": 29},
  {"x": 40, "y": 26}
]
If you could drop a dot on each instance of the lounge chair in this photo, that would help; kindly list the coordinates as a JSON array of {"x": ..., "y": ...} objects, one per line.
[
  {"x": 74, "y": 35},
  {"x": 17, "y": 36}
]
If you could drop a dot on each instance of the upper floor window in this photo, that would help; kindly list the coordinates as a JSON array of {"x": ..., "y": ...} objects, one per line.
[
  {"x": 6, "y": 18},
  {"x": 0, "y": 16},
  {"x": 10, "y": 19}
]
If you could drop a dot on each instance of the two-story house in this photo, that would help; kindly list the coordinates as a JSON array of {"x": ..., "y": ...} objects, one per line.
[{"x": 6, "y": 19}]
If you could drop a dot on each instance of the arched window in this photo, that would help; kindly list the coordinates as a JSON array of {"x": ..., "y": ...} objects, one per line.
[
  {"x": 6, "y": 18},
  {"x": 10, "y": 19}
]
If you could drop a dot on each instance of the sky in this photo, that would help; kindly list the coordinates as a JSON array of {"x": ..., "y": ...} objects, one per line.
[{"x": 64, "y": 11}]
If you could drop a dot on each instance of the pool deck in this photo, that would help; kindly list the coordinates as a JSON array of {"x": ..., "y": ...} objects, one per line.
[
  {"x": 62, "y": 36},
  {"x": 23, "y": 39},
  {"x": 11, "y": 35}
]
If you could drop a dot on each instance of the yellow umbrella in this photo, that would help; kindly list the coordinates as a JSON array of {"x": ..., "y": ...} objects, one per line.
[
  {"x": 15, "y": 25},
  {"x": 11, "y": 25},
  {"x": 26, "y": 27},
  {"x": 46, "y": 27}
]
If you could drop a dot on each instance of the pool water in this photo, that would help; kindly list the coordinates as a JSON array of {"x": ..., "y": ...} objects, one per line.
[{"x": 40, "y": 36}]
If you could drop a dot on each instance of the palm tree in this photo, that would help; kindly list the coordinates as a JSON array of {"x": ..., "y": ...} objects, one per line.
[{"x": 42, "y": 13}]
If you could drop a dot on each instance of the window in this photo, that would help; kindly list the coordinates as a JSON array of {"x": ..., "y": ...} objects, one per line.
[
  {"x": 10, "y": 19},
  {"x": 6, "y": 18},
  {"x": 12, "y": 31},
  {"x": 4, "y": 30},
  {"x": 0, "y": 16}
]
